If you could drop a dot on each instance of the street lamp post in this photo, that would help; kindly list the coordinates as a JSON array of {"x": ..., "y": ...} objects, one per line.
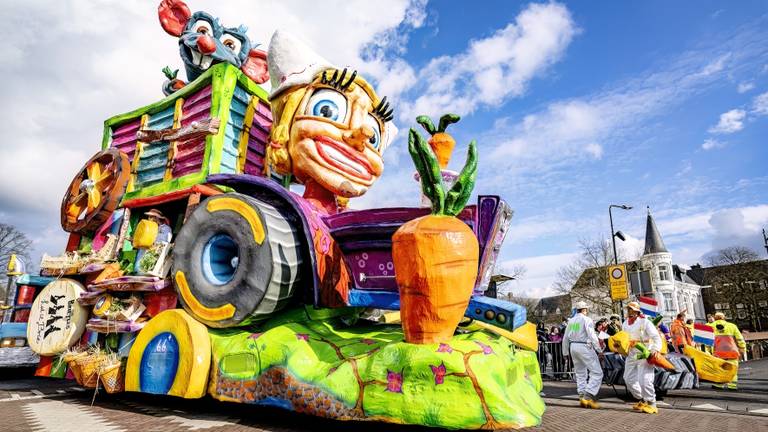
[{"x": 621, "y": 237}]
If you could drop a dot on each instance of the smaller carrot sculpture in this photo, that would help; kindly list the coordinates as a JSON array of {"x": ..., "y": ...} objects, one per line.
[
  {"x": 436, "y": 256},
  {"x": 441, "y": 142}
]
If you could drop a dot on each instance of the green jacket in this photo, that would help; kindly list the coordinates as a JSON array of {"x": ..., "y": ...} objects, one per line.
[{"x": 724, "y": 329}]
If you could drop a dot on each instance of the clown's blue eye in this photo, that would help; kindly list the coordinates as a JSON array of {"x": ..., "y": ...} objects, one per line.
[
  {"x": 328, "y": 103},
  {"x": 375, "y": 140}
]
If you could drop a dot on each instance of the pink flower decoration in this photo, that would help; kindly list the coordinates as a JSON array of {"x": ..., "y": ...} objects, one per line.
[
  {"x": 302, "y": 336},
  {"x": 444, "y": 348},
  {"x": 255, "y": 336},
  {"x": 367, "y": 341},
  {"x": 486, "y": 349},
  {"x": 439, "y": 372},
  {"x": 394, "y": 382}
]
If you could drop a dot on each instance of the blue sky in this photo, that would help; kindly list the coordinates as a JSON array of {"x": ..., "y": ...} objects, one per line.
[{"x": 575, "y": 106}]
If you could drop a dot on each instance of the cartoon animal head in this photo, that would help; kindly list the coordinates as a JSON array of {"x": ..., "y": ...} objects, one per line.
[{"x": 204, "y": 42}]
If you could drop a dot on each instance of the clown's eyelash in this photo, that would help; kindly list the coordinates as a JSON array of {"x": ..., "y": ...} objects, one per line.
[
  {"x": 383, "y": 111},
  {"x": 337, "y": 80}
]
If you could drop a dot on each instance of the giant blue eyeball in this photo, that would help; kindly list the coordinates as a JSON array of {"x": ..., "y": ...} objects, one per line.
[{"x": 328, "y": 103}]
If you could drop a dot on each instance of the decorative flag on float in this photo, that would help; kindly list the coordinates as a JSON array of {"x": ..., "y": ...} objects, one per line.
[
  {"x": 649, "y": 306},
  {"x": 703, "y": 334}
]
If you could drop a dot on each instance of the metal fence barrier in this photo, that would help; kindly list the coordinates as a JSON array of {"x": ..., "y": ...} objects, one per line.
[{"x": 552, "y": 363}]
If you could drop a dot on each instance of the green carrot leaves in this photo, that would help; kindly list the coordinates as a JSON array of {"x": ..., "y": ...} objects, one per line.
[
  {"x": 427, "y": 124},
  {"x": 445, "y": 121},
  {"x": 457, "y": 197},
  {"x": 428, "y": 169},
  {"x": 452, "y": 202}
]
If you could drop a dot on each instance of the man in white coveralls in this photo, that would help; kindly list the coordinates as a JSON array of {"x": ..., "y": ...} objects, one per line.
[
  {"x": 581, "y": 343},
  {"x": 638, "y": 373}
]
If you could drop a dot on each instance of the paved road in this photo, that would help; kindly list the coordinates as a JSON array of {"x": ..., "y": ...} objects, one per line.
[{"x": 38, "y": 404}]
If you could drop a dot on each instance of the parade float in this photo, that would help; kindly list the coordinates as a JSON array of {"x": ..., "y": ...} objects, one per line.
[{"x": 193, "y": 268}]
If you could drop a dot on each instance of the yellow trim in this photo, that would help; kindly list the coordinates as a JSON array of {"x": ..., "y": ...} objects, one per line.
[
  {"x": 191, "y": 375},
  {"x": 137, "y": 156},
  {"x": 201, "y": 311},
  {"x": 243, "y": 209},
  {"x": 102, "y": 310},
  {"x": 246, "y": 133},
  {"x": 172, "y": 145}
]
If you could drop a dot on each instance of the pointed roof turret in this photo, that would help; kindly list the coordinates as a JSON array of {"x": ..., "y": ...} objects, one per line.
[{"x": 653, "y": 242}]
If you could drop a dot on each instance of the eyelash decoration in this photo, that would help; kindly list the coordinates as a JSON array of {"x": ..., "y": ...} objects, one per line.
[
  {"x": 383, "y": 111},
  {"x": 336, "y": 80}
]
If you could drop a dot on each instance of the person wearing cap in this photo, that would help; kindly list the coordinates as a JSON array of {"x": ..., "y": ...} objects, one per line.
[
  {"x": 638, "y": 373},
  {"x": 580, "y": 342},
  {"x": 729, "y": 346},
  {"x": 330, "y": 127}
]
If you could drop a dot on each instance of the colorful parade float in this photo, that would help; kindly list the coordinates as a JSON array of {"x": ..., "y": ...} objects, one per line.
[{"x": 192, "y": 269}]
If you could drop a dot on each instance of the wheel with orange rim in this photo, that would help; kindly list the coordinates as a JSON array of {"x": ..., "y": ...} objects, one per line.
[{"x": 95, "y": 192}]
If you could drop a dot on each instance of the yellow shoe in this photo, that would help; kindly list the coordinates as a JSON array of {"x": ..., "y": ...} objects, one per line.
[
  {"x": 589, "y": 403},
  {"x": 638, "y": 406},
  {"x": 649, "y": 409},
  {"x": 582, "y": 402}
]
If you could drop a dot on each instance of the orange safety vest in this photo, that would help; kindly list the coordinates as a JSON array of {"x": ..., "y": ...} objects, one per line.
[
  {"x": 681, "y": 335},
  {"x": 725, "y": 347}
]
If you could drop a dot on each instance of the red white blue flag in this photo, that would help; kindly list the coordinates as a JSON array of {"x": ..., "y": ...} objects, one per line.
[
  {"x": 703, "y": 334},
  {"x": 649, "y": 306}
]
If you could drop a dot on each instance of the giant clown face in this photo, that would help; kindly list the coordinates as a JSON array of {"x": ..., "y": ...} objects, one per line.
[{"x": 337, "y": 139}]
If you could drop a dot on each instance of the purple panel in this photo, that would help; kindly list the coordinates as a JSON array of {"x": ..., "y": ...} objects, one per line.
[
  {"x": 124, "y": 137},
  {"x": 259, "y": 136},
  {"x": 373, "y": 269},
  {"x": 189, "y": 157},
  {"x": 204, "y": 93}
]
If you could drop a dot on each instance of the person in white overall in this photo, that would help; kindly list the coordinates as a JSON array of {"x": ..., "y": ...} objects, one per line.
[
  {"x": 638, "y": 373},
  {"x": 580, "y": 342}
]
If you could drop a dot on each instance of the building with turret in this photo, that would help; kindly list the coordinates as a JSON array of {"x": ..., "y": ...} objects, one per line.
[{"x": 652, "y": 275}]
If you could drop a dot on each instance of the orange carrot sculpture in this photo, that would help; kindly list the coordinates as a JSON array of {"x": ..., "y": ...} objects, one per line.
[
  {"x": 436, "y": 256},
  {"x": 440, "y": 142}
]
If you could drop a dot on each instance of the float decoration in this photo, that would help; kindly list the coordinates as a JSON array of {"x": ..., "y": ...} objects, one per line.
[
  {"x": 56, "y": 320},
  {"x": 436, "y": 256},
  {"x": 325, "y": 368}
]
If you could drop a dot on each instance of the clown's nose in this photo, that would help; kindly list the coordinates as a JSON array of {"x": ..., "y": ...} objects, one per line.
[{"x": 206, "y": 44}]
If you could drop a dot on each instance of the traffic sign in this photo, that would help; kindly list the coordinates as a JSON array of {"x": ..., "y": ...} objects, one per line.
[{"x": 617, "y": 276}]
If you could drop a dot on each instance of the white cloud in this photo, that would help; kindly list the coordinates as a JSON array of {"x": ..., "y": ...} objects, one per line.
[
  {"x": 760, "y": 104},
  {"x": 69, "y": 67},
  {"x": 497, "y": 67},
  {"x": 540, "y": 275},
  {"x": 711, "y": 143},
  {"x": 745, "y": 86},
  {"x": 730, "y": 122}
]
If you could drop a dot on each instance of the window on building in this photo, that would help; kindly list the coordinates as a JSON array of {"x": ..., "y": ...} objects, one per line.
[
  {"x": 592, "y": 282},
  {"x": 763, "y": 284},
  {"x": 668, "y": 305},
  {"x": 663, "y": 272},
  {"x": 742, "y": 314},
  {"x": 762, "y": 303},
  {"x": 718, "y": 306},
  {"x": 726, "y": 306},
  {"x": 718, "y": 289},
  {"x": 557, "y": 311},
  {"x": 739, "y": 305}
]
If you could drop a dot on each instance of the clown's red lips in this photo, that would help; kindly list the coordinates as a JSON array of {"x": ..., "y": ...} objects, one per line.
[{"x": 342, "y": 157}]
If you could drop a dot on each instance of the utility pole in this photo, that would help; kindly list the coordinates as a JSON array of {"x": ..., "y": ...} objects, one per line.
[{"x": 765, "y": 241}]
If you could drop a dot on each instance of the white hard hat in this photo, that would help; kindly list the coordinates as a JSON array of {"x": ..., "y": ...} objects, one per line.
[{"x": 580, "y": 305}]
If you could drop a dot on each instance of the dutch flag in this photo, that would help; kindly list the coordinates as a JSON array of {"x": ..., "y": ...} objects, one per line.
[
  {"x": 648, "y": 306},
  {"x": 703, "y": 334}
]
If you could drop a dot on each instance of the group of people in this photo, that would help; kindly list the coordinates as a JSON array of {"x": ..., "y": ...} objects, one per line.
[{"x": 584, "y": 341}]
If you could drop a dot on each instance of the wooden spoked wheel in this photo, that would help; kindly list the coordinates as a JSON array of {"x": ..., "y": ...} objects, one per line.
[{"x": 95, "y": 192}]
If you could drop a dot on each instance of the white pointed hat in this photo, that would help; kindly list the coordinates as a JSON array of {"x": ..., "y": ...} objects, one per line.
[{"x": 291, "y": 62}]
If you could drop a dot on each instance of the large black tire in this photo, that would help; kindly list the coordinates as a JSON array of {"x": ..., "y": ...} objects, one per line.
[{"x": 236, "y": 260}]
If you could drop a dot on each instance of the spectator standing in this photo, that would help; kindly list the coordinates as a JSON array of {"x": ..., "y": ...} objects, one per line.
[
  {"x": 680, "y": 333},
  {"x": 614, "y": 326},
  {"x": 555, "y": 335}
]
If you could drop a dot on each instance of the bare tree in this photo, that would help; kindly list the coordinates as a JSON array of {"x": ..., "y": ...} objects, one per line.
[
  {"x": 12, "y": 241},
  {"x": 514, "y": 271},
  {"x": 586, "y": 278},
  {"x": 741, "y": 286},
  {"x": 731, "y": 255}
]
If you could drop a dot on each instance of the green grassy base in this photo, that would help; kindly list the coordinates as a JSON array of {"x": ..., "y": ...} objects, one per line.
[{"x": 367, "y": 372}]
